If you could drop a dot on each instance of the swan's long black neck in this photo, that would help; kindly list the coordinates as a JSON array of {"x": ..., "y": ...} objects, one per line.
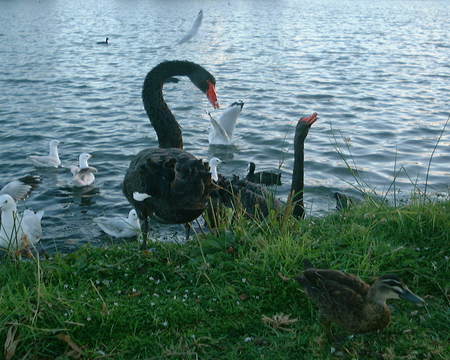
[
  {"x": 298, "y": 180},
  {"x": 167, "y": 128}
]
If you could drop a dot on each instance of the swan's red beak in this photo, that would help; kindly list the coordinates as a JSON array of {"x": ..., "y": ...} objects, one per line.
[
  {"x": 311, "y": 119},
  {"x": 212, "y": 95}
]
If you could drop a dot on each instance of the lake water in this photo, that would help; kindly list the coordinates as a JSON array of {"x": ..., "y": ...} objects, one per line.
[{"x": 377, "y": 72}]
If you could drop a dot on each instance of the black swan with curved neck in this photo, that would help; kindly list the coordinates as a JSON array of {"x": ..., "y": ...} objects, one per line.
[
  {"x": 256, "y": 199},
  {"x": 177, "y": 183}
]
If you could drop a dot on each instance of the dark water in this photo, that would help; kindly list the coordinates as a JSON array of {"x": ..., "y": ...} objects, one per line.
[{"x": 378, "y": 73}]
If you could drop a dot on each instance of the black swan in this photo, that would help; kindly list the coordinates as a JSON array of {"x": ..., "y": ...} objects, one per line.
[
  {"x": 178, "y": 184},
  {"x": 256, "y": 199},
  {"x": 262, "y": 177},
  {"x": 297, "y": 185}
]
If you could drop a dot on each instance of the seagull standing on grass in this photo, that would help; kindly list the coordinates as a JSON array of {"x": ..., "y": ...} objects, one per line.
[
  {"x": 83, "y": 175},
  {"x": 18, "y": 232},
  {"x": 50, "y": 160},
  {"x": 120, "y": 227}
]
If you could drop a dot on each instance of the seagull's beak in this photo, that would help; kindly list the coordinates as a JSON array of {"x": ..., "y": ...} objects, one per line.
[{"x": 212, "y": 95}]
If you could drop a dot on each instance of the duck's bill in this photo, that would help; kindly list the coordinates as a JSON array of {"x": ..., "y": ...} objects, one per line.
[
  {"x": 212, "y": 95},
  {"x": 410, "y": 296}
]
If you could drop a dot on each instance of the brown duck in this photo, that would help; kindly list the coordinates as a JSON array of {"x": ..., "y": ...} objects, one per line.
[{"x": 351, "y": 303}]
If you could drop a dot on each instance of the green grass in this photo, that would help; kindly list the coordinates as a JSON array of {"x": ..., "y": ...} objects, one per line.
[{"x": 204, "y": 299}]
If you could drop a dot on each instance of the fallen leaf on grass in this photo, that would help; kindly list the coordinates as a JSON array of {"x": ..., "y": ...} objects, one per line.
[
  {"x": 279, "y": 321},
  {"x": 76, "y": 351},
  {"x": 231, "y": 250},
  {"x": 11, "y": 342},
  {"x": 243, "y": 297}
]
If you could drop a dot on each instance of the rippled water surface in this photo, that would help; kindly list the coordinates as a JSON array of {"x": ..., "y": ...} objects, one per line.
[{"x": 377, "y": 73}]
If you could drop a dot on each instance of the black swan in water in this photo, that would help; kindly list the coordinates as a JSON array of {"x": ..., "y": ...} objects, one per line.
[
  {"x": 256, "y": 199},
  {"x": 177, "y": 183},
  {"x": 262, "y": 177}
]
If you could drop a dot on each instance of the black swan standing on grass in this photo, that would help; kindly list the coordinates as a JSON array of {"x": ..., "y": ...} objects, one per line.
[
  {"x": 178, "y": 184},
  {"x": 256, "y": 199}
]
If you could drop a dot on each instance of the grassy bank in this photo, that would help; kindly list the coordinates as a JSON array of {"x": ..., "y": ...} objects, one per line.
[{"x": 206, "y": 299}]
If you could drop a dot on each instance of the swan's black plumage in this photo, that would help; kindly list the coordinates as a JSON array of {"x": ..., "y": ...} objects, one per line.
[{"x": 178, "y": 183}]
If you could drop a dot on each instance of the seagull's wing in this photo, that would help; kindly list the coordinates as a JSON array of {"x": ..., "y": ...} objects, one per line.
[
  {"x": 191, "y": 33},
  {"x": 116, "y": 226},
  {"x": 20, "y": 189},
  {"x": 219, "y": 132},
  {"x": 44, "y": 161},
  {"x": 228, "y": 119},
  {"x": 88, "y": 170},
  {"x": 74, "y": 170}
]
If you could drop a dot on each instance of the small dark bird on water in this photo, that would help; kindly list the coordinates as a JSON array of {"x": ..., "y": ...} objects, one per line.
[
  {"x": 103, "y": 42},
  {"x": 351, "y": 303},
  {"x": 262, "y": 177}
]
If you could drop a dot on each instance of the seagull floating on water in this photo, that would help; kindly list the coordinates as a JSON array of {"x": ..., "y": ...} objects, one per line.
[
  {"x": 213, "y": 163},
  {"x": 221, "y": 131},
  {"x": 50, "y": 160},
  {"x": 195, "y": 26},
  {"x": 18, "y": 232},
  {"x": 83, "y": 175},
  {"x": 21, "y": 188},
  {"x": 120, "y": 227}
]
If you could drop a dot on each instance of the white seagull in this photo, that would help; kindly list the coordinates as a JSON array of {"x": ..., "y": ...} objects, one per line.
[
  {"x": 119, "y": 227},
  {"x": 18, "y": 232},
  {"x": 191, "y": 33},
  {"x": 213, "y": 162},
  {"x": 83, "y": 175},
  {"x": 50, "y": 160},
  {"x": 221, "y": 131}
]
